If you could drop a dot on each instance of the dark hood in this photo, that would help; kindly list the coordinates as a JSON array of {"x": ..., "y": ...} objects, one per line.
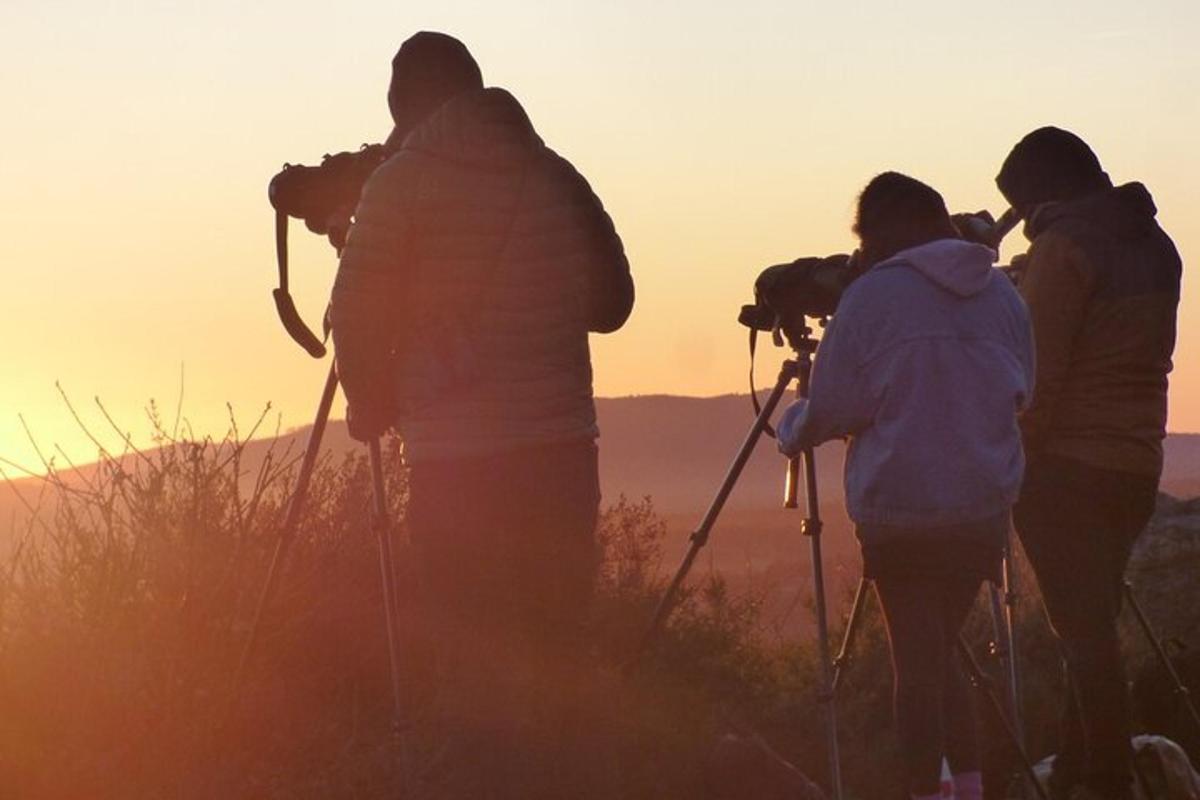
[
  {"x": 485, "y": 128},
  {"x": 429, "y": 69},
  {"x": 1050, "y": 165},
  {"x": 1125, "y": 212}
]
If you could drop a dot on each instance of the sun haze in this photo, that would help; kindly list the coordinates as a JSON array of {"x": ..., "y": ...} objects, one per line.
[{"x": 139, "y": 141}]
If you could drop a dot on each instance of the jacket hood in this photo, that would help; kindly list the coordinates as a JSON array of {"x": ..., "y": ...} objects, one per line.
[
  {"x": 1125, "y": 212},
  {"x": 485, "y": 128},
  {"x": 961, "y": 267}
]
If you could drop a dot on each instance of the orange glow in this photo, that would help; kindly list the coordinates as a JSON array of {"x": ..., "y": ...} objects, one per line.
[{"x": 133, "y": 183}]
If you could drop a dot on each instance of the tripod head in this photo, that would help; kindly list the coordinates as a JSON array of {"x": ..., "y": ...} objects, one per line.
[{"x": 798, "y": 335}]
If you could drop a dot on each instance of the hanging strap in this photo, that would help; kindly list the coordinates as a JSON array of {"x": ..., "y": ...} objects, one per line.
[
  {"x": 767, "y": 429},
  {"x": 284, "y": 304}
]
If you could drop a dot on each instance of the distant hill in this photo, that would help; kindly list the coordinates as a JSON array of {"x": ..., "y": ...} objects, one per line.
[
  {"x": 677, "y": 450},
  {"x": 1181, "y": 470}
]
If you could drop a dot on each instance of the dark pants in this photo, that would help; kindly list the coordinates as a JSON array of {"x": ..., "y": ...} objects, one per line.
[
  {"x": 933, "y": 703},
  {"x": 505, "y": 549},
  {"x": 1077, "y": 524}
]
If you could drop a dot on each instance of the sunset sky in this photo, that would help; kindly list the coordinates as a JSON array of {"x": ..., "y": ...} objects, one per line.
[{"x": 139, "y": 137}]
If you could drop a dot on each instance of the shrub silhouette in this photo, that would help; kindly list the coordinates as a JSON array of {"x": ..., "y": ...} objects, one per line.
[{"x": 123, "y": 611}]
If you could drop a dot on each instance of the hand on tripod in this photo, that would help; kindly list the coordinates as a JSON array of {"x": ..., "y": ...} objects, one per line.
[
  {"x": 336, "y": 226},
  {"x": 370, "y": 400},
  {"x": 789, "y": 423},
  {"x": 367, "y": 423}
]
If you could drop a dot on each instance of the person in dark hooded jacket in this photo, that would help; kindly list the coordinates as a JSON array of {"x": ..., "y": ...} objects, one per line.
[
  {"x": 478, "y": 263},
  {"x": 1102, "y": 284},
  {"x": 924, "y": 367}
]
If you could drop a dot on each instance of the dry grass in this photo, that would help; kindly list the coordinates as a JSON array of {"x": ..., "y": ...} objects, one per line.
[{"x": 125, "y": 607}]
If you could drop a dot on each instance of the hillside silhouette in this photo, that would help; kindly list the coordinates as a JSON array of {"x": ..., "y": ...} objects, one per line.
[
  {"x": 131, "y": 609},
  {"x": 676, "y": 450}
]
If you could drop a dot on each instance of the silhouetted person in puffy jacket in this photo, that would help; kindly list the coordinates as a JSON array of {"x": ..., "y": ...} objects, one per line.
[
  {"x": 478, "y": 263},
  {"x": 1102, "y": 285}
]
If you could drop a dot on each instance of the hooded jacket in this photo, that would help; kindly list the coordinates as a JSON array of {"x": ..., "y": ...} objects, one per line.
[
  {"x": 1102, "y": 285},
  {"x": 925, "y": 367},
  {"x": 478, "y": 262}
]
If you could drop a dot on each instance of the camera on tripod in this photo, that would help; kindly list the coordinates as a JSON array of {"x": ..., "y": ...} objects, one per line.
[
  {"x": 320, "y": 196},
  {"x": 812, "y": 286},
  {"x": 807, "y": 287}
]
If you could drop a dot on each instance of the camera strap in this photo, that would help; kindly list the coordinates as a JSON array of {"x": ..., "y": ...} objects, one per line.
[
  {"x": 285, "y": 306},
  {"x": 767, "y": 429}
]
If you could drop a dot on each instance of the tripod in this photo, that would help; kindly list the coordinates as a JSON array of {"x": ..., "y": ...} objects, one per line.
[
  {"x": 811, "y": 526},
  {"x": 382, "y": 529},
  {"x": 800, "y": 369}
]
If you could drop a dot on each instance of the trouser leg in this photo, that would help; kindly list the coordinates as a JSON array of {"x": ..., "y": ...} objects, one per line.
[
  {"x": 923, "y": 617},
  {"x": 961, "y": 734},
  {"x": 505, "y": 549},
  {"x": 1077, "y": 525}
]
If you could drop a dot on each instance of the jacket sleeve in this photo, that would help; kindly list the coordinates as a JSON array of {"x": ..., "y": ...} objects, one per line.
[
  {"x": 840, "y": 403},
  {"x": 1056, "y": 285},
  {"x": 372, "y": 273},
  {"x": 606, "y": 285},
  {"x": 1028, "y": 360}
]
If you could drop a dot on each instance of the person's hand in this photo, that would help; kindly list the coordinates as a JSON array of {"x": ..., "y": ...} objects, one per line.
[
  {"x": 979, "y": 227},
  {"x": 788, "y": 429},
  {"x": 337, "y": 227},
  {"x": 367, "y": 422}
]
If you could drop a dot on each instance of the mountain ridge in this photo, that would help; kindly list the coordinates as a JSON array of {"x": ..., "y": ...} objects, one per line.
[{"x": 677, "y": 450}]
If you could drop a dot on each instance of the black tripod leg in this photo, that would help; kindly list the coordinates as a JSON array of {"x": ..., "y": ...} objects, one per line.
[
  {"x": 1181, "y": 690},
  {"x": 1002, "y": 649},
  {"x": 812, "y": 529},
  {"x": 209, "y": 766},
  {"x": 380, "y": 522},
  {"x": 857, "y": 609},
  {"x": 699, "y": 537},
  {"x": 980, "y": 681},
  {"x": 1010, "y": 627},
  {"x": 288, "y": 531}
]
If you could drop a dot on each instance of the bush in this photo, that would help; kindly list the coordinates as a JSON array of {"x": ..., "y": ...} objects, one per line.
[{"x": 124, "y": 611}]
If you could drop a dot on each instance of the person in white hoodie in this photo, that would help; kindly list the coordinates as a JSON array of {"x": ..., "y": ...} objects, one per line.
[{"x": 924, "y": 367}]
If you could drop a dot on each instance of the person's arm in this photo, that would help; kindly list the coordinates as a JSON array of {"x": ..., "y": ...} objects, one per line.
[
  {"x": 606, "y": 283},
  {"x": 363, "y": 309},
  {"x": 1056, "y": 286},
  {"x": 840, "y": 401},
  {"x": 1028, "y": 358}
]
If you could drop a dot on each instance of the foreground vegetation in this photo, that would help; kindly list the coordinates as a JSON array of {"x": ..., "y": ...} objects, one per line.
[{"x": 125, "y": 605}]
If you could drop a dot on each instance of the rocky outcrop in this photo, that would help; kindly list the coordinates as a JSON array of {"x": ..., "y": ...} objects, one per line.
[
  {"x": 1165, "y": 572},
  {"x": 1164, "y": 772}
]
